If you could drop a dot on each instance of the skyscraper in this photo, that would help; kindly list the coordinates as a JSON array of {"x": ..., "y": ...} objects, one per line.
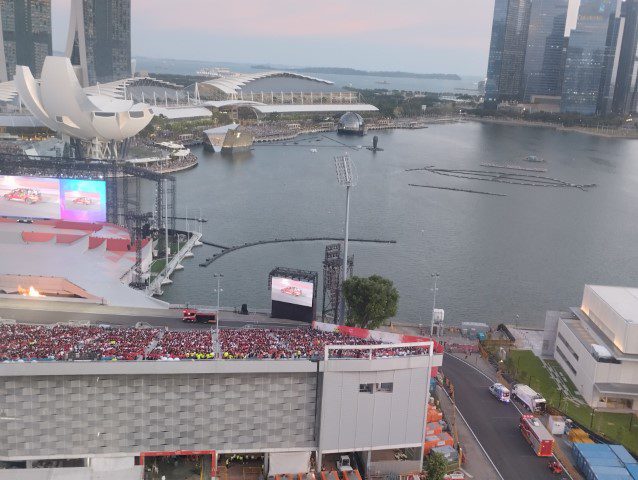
[
  {"x": 591, "y": 63},
  {"x": 25, "y": 35},
  {"x": 99, "y": 40},
  {"x": 507, "y": 51},
  {"x": 624, "y": 101},
  {"x": 544, "y": 54}
]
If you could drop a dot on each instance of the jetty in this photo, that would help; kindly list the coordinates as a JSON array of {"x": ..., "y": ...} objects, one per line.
[{"x": 227, "y": 250}]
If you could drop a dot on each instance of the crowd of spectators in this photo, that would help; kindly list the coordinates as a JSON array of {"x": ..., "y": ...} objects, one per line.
[
  {"x": 61, "y": 342},
  {"x": 174, "y": 163}
]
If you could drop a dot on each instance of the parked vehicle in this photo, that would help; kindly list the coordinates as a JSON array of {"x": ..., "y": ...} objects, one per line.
[
  {"x": 501, "y": 392},
  {"x": 537, "y": 436},
  {"x": 191, "y": 315},
  {"x": 533, "y": 401}
]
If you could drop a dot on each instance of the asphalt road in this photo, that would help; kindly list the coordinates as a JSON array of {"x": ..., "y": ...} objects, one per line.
[
  {"x": 495, "y": 424},
  {"x": 171, "y": 320}
]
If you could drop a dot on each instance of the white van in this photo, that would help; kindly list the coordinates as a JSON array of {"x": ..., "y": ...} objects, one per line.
[{"x": 500, "y": 392}]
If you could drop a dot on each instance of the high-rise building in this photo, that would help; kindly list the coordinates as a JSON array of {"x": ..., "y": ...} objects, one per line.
[
  {"x": 544, "y": 54},
  {"x": 507, "y": 51},
  {"x": 592, "y": 59},
  {"x": 100, "y": 40},
  {"x": 25, "y": 35},
  {"x": 625, "y": 94}
]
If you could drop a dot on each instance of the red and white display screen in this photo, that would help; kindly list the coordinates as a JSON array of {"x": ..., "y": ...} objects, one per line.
[{"x": 292, "y": 291}]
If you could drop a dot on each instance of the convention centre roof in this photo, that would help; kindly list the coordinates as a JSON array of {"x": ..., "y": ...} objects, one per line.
[{"x": 240, "y": 81}]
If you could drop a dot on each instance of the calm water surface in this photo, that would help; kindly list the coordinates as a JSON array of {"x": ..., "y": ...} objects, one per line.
[{"x": 498, "y": 257}]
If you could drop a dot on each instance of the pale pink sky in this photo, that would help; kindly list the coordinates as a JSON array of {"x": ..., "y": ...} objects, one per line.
[{"x": 449, "y": 36}]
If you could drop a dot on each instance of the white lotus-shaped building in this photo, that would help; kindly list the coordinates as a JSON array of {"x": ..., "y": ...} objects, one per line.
[{"x": 59, "y": 102}]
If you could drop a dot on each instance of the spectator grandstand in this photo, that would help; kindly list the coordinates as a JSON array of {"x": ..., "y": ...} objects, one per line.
[{"x": 67, "y": 343}]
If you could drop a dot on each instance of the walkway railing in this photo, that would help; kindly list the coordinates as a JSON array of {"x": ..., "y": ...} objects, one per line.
[{"x": 155, "y": 287}]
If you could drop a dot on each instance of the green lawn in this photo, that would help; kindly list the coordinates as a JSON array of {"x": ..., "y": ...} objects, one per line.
[{"x": 529, "y": 369}]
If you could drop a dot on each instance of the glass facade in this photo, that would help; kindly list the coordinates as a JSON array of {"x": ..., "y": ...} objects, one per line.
[
  {"x": 107, "y": 35},
  {"x": 26, "y": 35},
  {"x": 624, "y": 95},
  {"x": 544, "y": 54},
  {"x": 592, "y": 61},
  {"x": 507, "y": 51},
  {"x": 495, "y": 60}
]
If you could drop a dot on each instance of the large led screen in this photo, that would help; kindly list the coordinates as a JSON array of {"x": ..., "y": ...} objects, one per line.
[
  {"x": 292, "y": 291},
  {"x": 59, "y": 199}
]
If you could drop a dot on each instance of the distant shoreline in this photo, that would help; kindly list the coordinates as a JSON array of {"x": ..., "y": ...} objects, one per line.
[
  {"x": 604, "y": 132},
  {"x": 366, "y": 73}
]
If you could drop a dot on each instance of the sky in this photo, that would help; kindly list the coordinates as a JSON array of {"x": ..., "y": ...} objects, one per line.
[{"x": 425, "y": 36}]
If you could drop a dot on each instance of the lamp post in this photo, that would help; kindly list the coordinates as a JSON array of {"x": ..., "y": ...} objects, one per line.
[
  {"x": 346, "y": 177},
  {"x": 219, "y": 277},
  {"x": 435, "y": 276}
]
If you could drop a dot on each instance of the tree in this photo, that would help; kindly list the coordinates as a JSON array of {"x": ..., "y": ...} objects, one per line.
[
  {"x": 371, "y": 301},
  {"x": 435, "y": 466}
]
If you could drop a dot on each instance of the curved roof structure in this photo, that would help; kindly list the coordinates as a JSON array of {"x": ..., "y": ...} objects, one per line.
[
  {"x": 61, "y": 104},
  {"x": 231, "y": 85}
]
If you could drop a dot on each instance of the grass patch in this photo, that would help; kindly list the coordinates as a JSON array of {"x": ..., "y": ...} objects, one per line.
[{"x": 528, "y": 368}]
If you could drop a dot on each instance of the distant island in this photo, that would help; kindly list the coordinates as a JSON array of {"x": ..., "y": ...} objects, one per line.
[{"x": 365, "y": 73}]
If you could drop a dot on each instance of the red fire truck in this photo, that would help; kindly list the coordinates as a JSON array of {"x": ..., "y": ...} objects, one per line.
[
  {"x": 192, "y": 315},
  {"x": 537, "y": 435}
]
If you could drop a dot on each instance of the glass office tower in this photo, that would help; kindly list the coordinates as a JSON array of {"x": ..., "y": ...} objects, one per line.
[
  {"x": 544, "y": 54},
  {"x": 25, "y": 35},
  {"x": 591, "y": 63},
  {"x": 100, "y": 40},
  {"x": 507, "y": 51}
]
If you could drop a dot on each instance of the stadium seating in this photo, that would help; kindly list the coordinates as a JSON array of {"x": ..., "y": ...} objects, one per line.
[{"x": 21, "y": 342}]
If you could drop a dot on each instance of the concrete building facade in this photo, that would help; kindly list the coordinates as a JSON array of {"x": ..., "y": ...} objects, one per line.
[
  {"x": 597, "y": 346},
  {"x": 117, "y": 411},
  {"x": 99, "y": 40},
  {"x": 25, "y": 35}
]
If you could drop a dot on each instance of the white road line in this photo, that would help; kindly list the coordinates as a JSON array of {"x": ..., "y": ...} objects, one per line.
[
  {"x": 512, "y": 402},
  {"x": 474, "y": 435}
]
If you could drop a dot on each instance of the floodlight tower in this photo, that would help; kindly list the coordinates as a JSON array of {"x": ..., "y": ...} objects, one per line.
[{"x": 346, "y": 177}]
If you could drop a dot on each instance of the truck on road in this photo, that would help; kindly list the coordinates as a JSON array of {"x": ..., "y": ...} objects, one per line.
[
  {"x": 533, "y": 401},
  {"x": 537, "y": 436},
  {"x": 192, "y": 315}
]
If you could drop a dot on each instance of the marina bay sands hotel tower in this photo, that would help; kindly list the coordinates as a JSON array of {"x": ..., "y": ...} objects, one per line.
[{"x": 99, "y": 41}]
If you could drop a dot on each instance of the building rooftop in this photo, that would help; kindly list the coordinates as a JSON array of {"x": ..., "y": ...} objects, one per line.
[{"x": 624, "y": 300}]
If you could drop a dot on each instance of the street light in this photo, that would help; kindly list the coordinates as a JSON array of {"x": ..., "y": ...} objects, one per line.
[
  {"x": 435, "y": 276},
  {"x": 346, "y": 177},
  {"x": 219, "y": 277}
]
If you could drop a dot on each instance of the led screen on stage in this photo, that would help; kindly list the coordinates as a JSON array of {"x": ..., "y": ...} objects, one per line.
[
  {"x": 292, "y": 291},
  {"x": 59, "y": 199},
  {"x": 83, "y": 200}
]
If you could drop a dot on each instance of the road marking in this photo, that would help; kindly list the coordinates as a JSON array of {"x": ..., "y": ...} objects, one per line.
[
  {"x": 474, "y": 435},
  {"x": 512, "y": 402}
]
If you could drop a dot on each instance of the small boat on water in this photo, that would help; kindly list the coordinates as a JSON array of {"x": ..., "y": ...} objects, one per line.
[{"x": 534, "y": 159}]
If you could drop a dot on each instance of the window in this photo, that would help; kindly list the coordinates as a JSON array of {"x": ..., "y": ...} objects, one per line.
[
  {"x": 366, "y": 388},
  {"x": 385, "y": 387},
  {"x": 562, "y": 355},
  {"x": 571, "y": 350}
]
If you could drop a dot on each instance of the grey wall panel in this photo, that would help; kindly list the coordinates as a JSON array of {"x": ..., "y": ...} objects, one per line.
[
  {"x": 86, "y": 415},
  {"x": 352, "y": 420}
]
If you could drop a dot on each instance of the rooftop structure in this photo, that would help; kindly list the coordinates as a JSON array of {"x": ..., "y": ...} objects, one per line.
[
  {"x": 59, "y": 102},
  {"x": 96, "y": 259},
  {"x": 597, "y": 345}
]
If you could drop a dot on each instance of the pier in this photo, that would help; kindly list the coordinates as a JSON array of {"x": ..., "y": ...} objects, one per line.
[{"x": 227, "y": 250}]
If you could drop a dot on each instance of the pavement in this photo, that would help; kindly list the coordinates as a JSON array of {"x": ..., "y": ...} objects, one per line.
[{"x": 494, "y": 424}]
